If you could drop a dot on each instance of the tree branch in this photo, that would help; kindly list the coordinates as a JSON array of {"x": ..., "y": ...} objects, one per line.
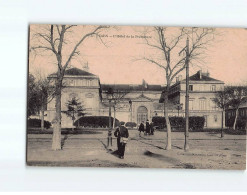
[
  {"x": 78, "y": 44},
  {"x": 154, "y": 62}
]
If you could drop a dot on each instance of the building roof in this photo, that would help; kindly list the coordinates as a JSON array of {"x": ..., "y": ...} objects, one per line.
[
  {"x": 125, "y": 87},
  {"x": 199, "y": 76},
  {"x": 75, "y": 72}
]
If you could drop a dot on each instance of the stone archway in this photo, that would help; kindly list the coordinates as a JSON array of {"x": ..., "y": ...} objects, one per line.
[{"x": 142, "y": 114}]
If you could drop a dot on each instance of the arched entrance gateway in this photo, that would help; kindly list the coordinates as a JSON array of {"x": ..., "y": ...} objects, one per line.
[{"x": 142, "y": 114}]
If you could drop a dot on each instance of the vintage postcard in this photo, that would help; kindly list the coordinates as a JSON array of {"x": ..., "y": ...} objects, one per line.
[{"x": 137, "y": 96}]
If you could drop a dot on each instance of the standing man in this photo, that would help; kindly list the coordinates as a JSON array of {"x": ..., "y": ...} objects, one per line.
[
  {"x": 141, "y": 128},
  {"x": 122, "y": 134},
  {"x": 152, "y": 128},
  {"x": 147, "y": 128}
]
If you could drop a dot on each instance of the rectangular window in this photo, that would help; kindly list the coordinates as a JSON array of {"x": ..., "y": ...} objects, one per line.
[
  {"x": 206, "y": 121},
  {"x": 213, "y": 87},
  {"x": 215, "y": 118},
  {"x": 190, "y": 87},
  {"x": 191, "y": 105},
  {"x": 214, "y": 106},
  {"x": 88, "y": 82},
  {"x": 202, "y": 104}
]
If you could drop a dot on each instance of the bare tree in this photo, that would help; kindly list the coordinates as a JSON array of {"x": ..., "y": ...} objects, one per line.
[
  {"x": 238, "y": 93},
  {"x": 40, "y": 93},
  {"x": 223, "y": 100},
  {"x": 32, "y": 97},
  {"x": 169, "y": 44},
  {"x": 46, "y": 95},
  {"x": 118, "y": 97},
  {"x": 53, "y": 40}
]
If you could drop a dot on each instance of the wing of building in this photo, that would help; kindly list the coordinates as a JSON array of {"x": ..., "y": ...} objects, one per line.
[{"x": 202, "y": 91}]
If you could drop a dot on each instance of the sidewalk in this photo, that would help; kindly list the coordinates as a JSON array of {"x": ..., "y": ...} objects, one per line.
[{"x": 89, "y": 150}]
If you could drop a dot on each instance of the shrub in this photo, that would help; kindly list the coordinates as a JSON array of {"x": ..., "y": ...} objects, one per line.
[
  {"x": 177, "y": 122},
  {"x": 159, "y": 122},
  {"x": 195, "y": 122},
  {"x": 131, "y": 124},
  {"x": 241, "y": 122},
  {"x": 37, "y": 123},
  {"x": 95, "y": 121}
]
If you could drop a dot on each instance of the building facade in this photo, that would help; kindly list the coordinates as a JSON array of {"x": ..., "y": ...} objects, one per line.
[
  {"x": 77, "y": 84},
  {"x": 133, "y": 103},
  {"x": 202, "y": 91},
  {"x": 136, "y": 103}
]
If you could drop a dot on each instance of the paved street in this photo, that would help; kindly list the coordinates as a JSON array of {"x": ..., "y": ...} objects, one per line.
[{"x": 207, "y": 151}]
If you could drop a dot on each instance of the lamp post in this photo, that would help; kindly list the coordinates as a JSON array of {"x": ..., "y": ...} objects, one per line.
[
  {"x": 130, "y": 102},
  {"x": 109, "y": 138}
]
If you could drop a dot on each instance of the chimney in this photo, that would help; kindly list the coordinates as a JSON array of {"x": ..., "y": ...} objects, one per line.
[
  {"x": 206, "y": 74},
  {"x": 144, "y": 84},
  {"x": 85, "y": 67},
  {"x": 178, "y": 78},
  {"x": 200, "y": 74}
]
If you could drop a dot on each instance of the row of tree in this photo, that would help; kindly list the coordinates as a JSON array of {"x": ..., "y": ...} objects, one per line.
[
  {"x": 39, "y": 94},
  {"x": 230, "y": 98}
]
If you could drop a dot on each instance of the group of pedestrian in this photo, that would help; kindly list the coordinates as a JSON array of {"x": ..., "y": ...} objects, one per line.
[{"x": 147, "y": 129}]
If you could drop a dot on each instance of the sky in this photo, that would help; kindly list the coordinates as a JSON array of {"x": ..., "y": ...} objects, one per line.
[{"x": 120, "y": 59}]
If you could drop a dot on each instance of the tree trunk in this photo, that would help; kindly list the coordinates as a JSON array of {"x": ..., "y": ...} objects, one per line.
[
  {"x": 114, "y": 115},
  {"x": 42, "y": 117},
  {"x": 236, "y": 118},
  {"x": 168, "y": 125},
  {"x": 222, "y": 124},
  {"x": 56, "y": 138}
]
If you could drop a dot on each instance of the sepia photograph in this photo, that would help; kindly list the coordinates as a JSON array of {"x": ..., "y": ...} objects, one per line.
[{"x": 136, "y": 97}]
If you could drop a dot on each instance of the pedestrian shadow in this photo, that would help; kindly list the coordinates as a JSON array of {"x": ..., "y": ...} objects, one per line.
[
  {"x": 114, "y": 153},
  {"x": 161, "y": 157},
  {"x": 103, "y": 144},
  {"x": 163, "y": 148},
  {"x": 152, "y": 145},
  {"x": 173, "y": 161}
]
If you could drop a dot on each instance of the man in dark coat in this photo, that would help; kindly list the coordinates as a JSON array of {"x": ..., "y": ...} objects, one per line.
[
  {"x": 152, "y": 128},
  {"x": 147, "y": 128},
  {"x": 121, "y": 131},
  {"x": 141, "y": 128}
]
